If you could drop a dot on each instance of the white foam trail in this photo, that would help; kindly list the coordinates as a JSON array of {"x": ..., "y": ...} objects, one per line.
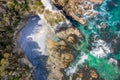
[
  {"x": 47, "y": 4},
  {"x": 72, "y": 69}
]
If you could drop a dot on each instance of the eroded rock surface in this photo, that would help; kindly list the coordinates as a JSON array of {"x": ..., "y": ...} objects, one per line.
[
  {"x": 78, "y": 9},
  {"x": 60, "y": 52}
]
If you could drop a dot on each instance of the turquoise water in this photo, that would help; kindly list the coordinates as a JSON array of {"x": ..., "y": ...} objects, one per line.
[{"x": 109, "y": 13}]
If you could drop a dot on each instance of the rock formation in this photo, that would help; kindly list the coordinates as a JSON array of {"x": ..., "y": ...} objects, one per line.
[
  {"x": 78, "y": 9},
  {"x": 86, "y": 73},
  {"x": 53, "y": 18},
  {"x": 96, "y": 1},
  {"x": 60, "y": 55}
]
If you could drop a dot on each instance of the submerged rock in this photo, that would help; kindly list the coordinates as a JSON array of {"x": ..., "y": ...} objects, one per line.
[{"x": 86, "y": 73}]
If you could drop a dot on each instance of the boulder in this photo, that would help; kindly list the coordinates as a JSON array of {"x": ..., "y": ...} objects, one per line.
[
  {"x": 97, "y": 1},
  {"x": 93, "y": 74}
]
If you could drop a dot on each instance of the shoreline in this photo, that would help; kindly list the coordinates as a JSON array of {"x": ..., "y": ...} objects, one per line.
[
  {"x": 16, "y": 34},
  {"x": 35, "y": 31}
]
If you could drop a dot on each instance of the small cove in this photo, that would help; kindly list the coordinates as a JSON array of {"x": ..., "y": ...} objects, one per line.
[{"x": 31, "y": 47}]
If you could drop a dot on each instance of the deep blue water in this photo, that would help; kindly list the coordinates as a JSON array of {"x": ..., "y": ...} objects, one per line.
[{"x": 29, "y": 46}]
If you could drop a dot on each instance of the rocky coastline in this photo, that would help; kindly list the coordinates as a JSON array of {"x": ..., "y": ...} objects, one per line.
[
  {"x": 63, "y": 38},
  {"x": 61, "y": 48},
  {"x": 57, "y": 48},
  {"x": 79, "y": 11}
]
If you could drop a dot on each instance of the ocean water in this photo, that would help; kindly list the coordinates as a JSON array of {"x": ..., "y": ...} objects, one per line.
[{"x": 100, "y": 45}]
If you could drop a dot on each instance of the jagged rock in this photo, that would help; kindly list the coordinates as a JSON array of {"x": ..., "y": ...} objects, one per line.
[
  {"x": 53, "y": 18},
  {"x": 60, "y": 52},
  {"x": 66, "y": 33},
  {"x": 91, "y": 13},
  {"x": 86, "y": 71},
  {"x": 66, "y": 58},
  {"x": 102, "y": 25},
  {"x": 62, "y": 43},
  {"x": 80, "y": 74},
  {"x": 97, "y": 1},
  {"x": 93, "y": 74},
  {"x": 77, "y": 9},
  {"x": 71, "y": 39},
  {"x": 60, "y": 2}
]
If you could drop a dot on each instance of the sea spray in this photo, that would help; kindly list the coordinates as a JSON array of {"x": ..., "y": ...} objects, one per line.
[
  {"x": 100, "y": 49},
  {"x": 74, "y": 66}
]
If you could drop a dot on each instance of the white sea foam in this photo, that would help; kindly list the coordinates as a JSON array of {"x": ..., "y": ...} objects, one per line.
[
  {"x": 100, "y": 48},
  {"x": 113, "y": 61},
  {"x": 72, "y": 69},
  {"x": 47, "y": 4},
  {"x": 39, "y": 36}
]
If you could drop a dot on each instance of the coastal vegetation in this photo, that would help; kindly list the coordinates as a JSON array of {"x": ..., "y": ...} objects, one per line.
[
  {"x": 53, "y": 18},
  {"x": 11, "y": 13}
]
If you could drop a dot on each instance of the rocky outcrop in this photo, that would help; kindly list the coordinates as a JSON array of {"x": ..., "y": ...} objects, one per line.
[
  {"x": 56, "y": 61},
  {"x": 60, "y": 2},
  {"x": 86, "y": 71},
  {"x": 60, "y": 52},
  {"x": 78, "y": 9},
  {"x": 53, "y": 18},
  {"x": 96, "y": 1},
  {"x": 69, "y": 32}
]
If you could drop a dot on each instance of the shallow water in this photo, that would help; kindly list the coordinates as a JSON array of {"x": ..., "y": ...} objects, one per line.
[{"x": 100, "y": 41}]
